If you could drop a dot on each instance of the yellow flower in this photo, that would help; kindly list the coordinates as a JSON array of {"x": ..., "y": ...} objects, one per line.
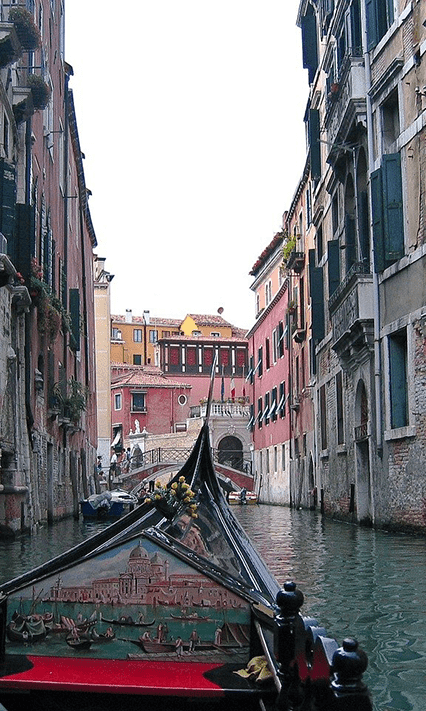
[
  {"x": 181, "y": 479},
  {"x": 186, "y": 500},
  {"x": 194, "y": 507},
  {"x": 158, "y": 484},
  {"x": 157, "y": 497},
  {"x": 185, "y": 486},
  {"x": 174, "y": 485}
]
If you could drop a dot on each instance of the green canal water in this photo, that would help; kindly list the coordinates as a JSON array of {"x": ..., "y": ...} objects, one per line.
[{"x": 357, "y": 582}]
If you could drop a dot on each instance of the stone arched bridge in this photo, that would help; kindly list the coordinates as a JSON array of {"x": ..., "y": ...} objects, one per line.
[{"x": 149, "y": 465}]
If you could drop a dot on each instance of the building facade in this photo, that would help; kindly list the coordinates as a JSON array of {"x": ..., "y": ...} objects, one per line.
[
  {"x": 366, "y": 126},
  {"x": 48, "y": 428}
]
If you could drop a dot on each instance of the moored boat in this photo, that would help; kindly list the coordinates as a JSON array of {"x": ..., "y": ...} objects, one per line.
[
  {"x": 108, "y": 505},
  {"x": 191, "y": 552}
]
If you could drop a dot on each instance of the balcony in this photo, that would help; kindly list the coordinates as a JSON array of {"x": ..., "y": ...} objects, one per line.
[
  {"x": 352, "y": 315},
  {"x": 346, "y": 102},
  {"x": 296, "y": 262}
]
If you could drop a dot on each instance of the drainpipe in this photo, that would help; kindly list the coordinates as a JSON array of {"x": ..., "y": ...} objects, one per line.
[{"x": 376, "y": 294}]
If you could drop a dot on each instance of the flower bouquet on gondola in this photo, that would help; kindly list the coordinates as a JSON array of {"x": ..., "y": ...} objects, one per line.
[{"x": 173, "y": 498}]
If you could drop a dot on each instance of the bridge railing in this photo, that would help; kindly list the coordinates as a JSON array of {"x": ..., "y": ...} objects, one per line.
[{"x": 239, "y": 460}]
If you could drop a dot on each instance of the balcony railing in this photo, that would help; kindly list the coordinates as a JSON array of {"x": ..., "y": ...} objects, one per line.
[
  {"x": 352, "y": 312},
  {"x": 221, "y": 409},
  {"x": 348, "y": 100}
]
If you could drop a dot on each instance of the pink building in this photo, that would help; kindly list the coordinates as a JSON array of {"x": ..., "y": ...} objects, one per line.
[
  {"x": 143, "y": 398},
  {"x": 269, "y": 377}
]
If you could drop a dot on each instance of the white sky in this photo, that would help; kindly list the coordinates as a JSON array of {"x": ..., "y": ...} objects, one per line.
[{"x": 190, "y": 116}]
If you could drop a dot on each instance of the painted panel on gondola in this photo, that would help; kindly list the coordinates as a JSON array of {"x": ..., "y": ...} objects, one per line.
[{"x": 135, "y": 598}]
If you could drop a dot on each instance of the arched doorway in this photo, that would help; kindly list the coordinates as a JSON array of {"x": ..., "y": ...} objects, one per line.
[
  {"x": 362, "y": 458},
  {"x": 230, "y": 452}
]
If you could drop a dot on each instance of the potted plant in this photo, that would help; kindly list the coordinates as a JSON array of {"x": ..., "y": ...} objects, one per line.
[
  {"x": 40, "y": 91},
  {"x": 73, "y": 401},
  {"x": 25, "y": 27}
]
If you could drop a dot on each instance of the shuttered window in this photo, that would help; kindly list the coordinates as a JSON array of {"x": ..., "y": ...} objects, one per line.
[
  {"x": 75, "y": 319},
  {"x": 398, "y": 379},
  {"x": 310, "y": 43},
  {"x": 387, "y": 212},
  {"x": 333, "y": 255},
  {"x": 314, "y": 143},
  {"x": 316, "y": 289},
  {"x": 379, "y": 17}
]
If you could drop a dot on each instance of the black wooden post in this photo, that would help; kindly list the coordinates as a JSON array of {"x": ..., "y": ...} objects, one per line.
[
  {"x": 348, "y": 690},
  {"x": 289, "y": 601}
]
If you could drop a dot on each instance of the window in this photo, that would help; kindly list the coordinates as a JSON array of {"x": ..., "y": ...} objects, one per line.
[
  {"x": 116, "y": 334},
  {"x": 323, "y": 417},
  {"x": 339, "y": 408},
  {"x": 275, "y": 459},
  {"x": 390, "y": 121},
  {"x": 265, "y": 416},
  {"x": 137, "y": 359},
  {"x": 280, "y": 339},
  {"x": 314, "y": 143},
  {"x": 283, "y": 457},
  {"x": 259, "y": 412},
  {"x": 215, "y": 334},
  {"x": 138, "y": 402},
  {"x": 320, "y": 243},
  {"x": 259, "y": 361},
  {"x": 379, "y": 17},
  {"x": 282, "y": 400},
  {"x": 274, "y": 403},
  {"x": 137, "y": 335},
  {"x": 268, "y": 292},
  {"x": 117, "y": 401},
  {"x": 182, "y": 399},
  {"x": 316, "y": 290},
  {"x": 274, "y": 346},
  {"x": 257, "y": 304},
  {"x": 196, "y": 333},
  {"x": 310, "y": 42},
  {"x": 153, "y": 336},
  {"x": 165, "y": 334},
  {"x": 267, "y": 354},
  {"x": 387, "y": 212},
  {"x": 398, "y": 379}
]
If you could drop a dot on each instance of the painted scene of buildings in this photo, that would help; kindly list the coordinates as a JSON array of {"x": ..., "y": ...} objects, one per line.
[{"x": 134, "y": 598}]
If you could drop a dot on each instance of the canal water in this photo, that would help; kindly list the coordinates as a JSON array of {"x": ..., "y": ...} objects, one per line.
[{"x": 357, "y": 582}]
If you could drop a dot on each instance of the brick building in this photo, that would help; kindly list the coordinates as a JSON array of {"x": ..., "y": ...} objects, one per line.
[{"x": 48, "y": 423}]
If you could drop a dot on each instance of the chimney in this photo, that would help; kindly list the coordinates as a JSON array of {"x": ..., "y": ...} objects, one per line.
[{"x": 128, "y": 315}]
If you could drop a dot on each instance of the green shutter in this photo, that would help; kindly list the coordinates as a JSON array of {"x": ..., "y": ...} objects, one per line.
[
  {"x": 75, "y": 319},
  {"x": 371, "y": 22},
  {"x": 310, "y": 44},
  {"x": 392, "y": 208},
  {"x": 377, "y": 219},
  {"x": 317, "y": 301},
  {"x": 7, "y": 199},
  {"x": 350, "y": 241},
  {"x": 314, "y": 143},
  {"x": 23, "y": 247},
  {"x": 355, "y": 18},
  {"x": 333, "y": 257},
  {"x": 363, "y": 227}
]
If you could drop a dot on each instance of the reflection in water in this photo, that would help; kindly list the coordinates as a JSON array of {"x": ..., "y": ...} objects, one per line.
[{"x": 357, "y": 582}]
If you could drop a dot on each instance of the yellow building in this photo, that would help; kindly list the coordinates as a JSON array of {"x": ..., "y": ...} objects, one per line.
[{"x": 133, "y": 338}]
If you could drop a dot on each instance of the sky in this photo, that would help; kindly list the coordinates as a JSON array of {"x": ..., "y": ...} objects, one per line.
[{"x": 190, "y": 117}]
